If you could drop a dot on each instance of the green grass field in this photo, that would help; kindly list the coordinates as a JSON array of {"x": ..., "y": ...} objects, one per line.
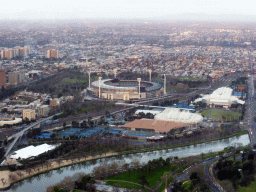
[
  {"x": 191, "y": 79},
  {"x": 152, "y": 177},
  {"x": 221, "y": 115},
  {"x": 124, "y": 185},
  {"x": 186, "y": 185},
  {"x": 250, "y": 188},
  {"x": 75, "y": 80}
]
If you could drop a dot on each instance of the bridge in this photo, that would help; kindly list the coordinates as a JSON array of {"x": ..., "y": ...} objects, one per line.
[{"x": 19, "y": 135}]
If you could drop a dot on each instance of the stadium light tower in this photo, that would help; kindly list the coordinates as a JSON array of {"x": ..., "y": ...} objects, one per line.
[
  {"x": 150, "y": 71},
  {"x": 89, "y": 73},
  {"x": 99, "y": 85},
  {"x": 139, "y": 80},
  {"x": 115, "y": 70},
  {"x": 164, "y": 84}
]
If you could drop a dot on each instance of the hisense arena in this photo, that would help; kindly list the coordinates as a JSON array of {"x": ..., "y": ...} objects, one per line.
[{"x": 114, "y": 89}]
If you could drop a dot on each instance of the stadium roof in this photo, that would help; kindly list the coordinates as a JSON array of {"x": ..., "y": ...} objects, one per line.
[
  {"x": 105, "y": 86},
  {"x": 221, "y": 95},
  {"x": 159, "y": 126},
  {"x": 179, "y": 115},
  {"x": 31, "y": 151}
]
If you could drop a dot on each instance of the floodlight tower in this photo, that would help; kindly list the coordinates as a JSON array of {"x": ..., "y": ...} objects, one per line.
[
  {"x": 139, "y": 80},
  {"x": 89, "y": 73},
  {"x": 99, "y": 85},
  {"x": 115, "y": 70},
  {"x": 150, "y": 71},
  {"x": 164, "y": 84}
]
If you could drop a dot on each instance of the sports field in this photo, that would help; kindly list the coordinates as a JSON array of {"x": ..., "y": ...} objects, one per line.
[{"x": 221, "y": 114}]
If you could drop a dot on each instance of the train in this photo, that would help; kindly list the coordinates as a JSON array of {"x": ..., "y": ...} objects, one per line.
[
  {"x": 50, "y": 122},
  {"x": 20, "y": 128}
]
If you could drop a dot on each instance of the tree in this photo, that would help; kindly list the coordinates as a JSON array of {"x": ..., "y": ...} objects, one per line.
[
  {"x": 29, "y": 170},
  {"x": 64, "y": 124},
  {"x": 202, "y": 155},
  {"x": 194, "y": 175},
  {"x": 20, "y": 174},
  {"x": 143, "y": 181},
  {"x": 59, "y": 161},
  {"x": 57, "y": 189},
  {"x": 107, "y": 114},
  {"x": 84, "y": 181},
  {"x": 204, "y": 187}
]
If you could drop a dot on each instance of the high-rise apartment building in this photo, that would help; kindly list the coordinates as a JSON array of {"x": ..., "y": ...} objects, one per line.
[
  {"x": 15, "y": 52},
  {"x": 52, "y": 53},
  {"x": 16, "y": 78},
  {"x": 13, "y": 78},
  {"x": 2, "y": 77}
]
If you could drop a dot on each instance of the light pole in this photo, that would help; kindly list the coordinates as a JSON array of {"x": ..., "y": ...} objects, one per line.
[
  {"x": 139, "y": 80},
  {"x": 99, "y": 85},
  {"x": 164, "y": 84},
  {"x": 150, "y": 71},
  {"x": 115, "y": 70},
  {"x": 89, "y": 73}
]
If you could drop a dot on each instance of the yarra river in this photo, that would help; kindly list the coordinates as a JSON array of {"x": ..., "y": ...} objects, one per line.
[{"x": 41, "y": 182}]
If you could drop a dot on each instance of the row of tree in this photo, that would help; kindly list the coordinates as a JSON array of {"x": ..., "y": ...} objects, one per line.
[{"x": 237, "y": 172}]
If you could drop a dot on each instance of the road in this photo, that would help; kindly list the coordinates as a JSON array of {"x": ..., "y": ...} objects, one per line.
[
  {"x": 207, "y": 163},
  {"x": 185, "y": 175},
  {"x": 250, "y": 113}
]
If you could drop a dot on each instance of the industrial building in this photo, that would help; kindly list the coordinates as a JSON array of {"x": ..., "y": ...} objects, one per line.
[
  {"x": 220, "y": 98},
  {"x": 114, "y": 89}
]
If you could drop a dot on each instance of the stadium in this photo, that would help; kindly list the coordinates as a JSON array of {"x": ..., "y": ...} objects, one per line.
[
  {"x": 222, "y": 97},
  {"x": 114, "y": 89}
]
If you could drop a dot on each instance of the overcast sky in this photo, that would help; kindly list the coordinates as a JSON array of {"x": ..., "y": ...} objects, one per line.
[{"x": 109, "y": 9}]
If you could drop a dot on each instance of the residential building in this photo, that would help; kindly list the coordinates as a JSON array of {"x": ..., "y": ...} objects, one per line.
[
  {"x": 52, "y": 53},
  {"x": 29, "y": 113},
  {"x": 2, "y": 77},
  {"x": 43, "y": 110}
]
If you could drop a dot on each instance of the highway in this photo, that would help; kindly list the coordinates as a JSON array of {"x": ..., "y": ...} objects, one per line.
[
  {"x": 250, "y": 113},
  {"x": 20, "y": 134},
  {"x": 250, "y": 110}
]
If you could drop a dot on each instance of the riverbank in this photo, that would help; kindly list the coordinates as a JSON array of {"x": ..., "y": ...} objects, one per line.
[
  {"x": 239, "y": 133},
  {"x": 56, "y": 164},
  {"x": 7, "y": 177}
]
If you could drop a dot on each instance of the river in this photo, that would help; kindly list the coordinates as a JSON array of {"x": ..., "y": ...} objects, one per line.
[{"x": 41, "y": 182}]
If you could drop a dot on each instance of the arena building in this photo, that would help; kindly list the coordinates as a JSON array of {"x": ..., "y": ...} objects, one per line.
[
  {"x": 220, "y": 98},
  {"x": 114, "y": 89},
  {"x": 179, "y": 116}
]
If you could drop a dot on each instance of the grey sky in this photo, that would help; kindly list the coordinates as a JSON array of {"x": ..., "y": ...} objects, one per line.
[{"x": 62, "y": 9}]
